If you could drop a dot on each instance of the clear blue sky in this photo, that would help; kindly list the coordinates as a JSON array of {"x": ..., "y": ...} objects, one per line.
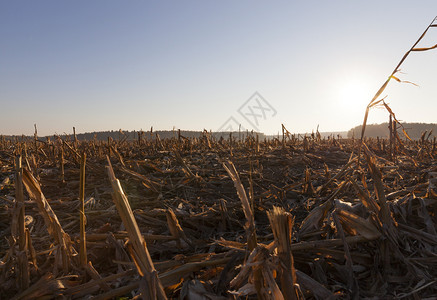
[{"x": 102, "y": 65}]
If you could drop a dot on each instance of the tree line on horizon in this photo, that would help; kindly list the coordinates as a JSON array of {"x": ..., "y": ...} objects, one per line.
[
  {"x": 414, "y": 130},
  {"x": 145, "y": 135},
  {"x": 163, "y": 134}
]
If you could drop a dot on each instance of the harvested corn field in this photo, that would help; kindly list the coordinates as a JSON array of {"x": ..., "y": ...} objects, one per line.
[{"x": 187, "y": 218}]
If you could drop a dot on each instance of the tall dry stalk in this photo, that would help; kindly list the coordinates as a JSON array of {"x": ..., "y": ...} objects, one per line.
[
  {"x": 282, "y": 224},
  {"x": 35, "y": 138},
  {"x": 250, "y": 220},
  {"x": 375, "y": 100},
  {"x": 74, "y": 138},
  {"x": 82, "y": 250},
  {"x": 352, "y": 283},
  {"x": 62, "y": 239},
  {"x": 61, "y": 163},
  {"x": 150, "y": 287},
  {"x": 21, "y": 234}
]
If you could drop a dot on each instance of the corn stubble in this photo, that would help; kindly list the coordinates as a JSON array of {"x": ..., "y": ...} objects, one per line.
[
  {"x": 297, "y": 217},
  {"x": 187, "y": 218}
]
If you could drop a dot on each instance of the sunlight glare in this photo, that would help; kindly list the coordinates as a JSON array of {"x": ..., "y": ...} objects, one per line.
[{"x": 354, "y": 95}]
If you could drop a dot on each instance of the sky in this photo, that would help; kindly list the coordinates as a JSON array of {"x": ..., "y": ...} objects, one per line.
[{"x": 214, "y": 65}]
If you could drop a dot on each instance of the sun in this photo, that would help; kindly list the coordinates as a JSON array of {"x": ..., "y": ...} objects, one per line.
[{"x": 354, "y": 95}]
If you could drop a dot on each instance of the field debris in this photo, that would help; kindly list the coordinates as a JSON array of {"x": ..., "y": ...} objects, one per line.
[{"x": 205, "y": 218}]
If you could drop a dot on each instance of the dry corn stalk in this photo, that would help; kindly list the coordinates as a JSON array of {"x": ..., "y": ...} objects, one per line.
[
  {"x": 21, "y": 228},
  {"x": 184, "y": 165},
  {"x": 384, "y": 213},
  {"x": 148, "y": 183},
  {"x": 315, "y": 218},
  {"x": 175, "y": 275},
  {"x": 46, "y": 287},
  {"x": 119, "y": 157},
  {"x": 82, "y": 218},
  {"x": 175, "y": 228},
  {"x": 282, "y": 224},
  {"x": 356, "y": 225},
  {"x": 96, "y": 276},
  {"x": 54, "y": 228},
  {"x": 250, "y": 221},
  {"x": 138, "y": 248},
  {"x": 351, "y": 280},
  {"x": 367, "y": 201},
  {"x": 375, "y": 100}
]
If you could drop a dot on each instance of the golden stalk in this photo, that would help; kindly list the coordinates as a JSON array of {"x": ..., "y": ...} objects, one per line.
[
  {"x": 250, "y": 221},
  {"x": 138, "y": 247},
  {"x": 61, "y": 162},
  {"x": 282, "y": 223},
  {"x": 82, "y": 250},
  {"x": 22, "y": 236},
  {"x": 396, "y": 69},
  {"x": 51, "y": 220}
]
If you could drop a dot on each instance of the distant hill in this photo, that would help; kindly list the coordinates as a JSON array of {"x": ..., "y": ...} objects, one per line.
[
  {"x": 166, "y": 134},
  {"x": 342, "y": 134},
  {"x": 133, "y": 135},
  {"x": 323, "y": 135},
  {"x": 414, "y": 130},
  {"x": 163, "y": 134}
]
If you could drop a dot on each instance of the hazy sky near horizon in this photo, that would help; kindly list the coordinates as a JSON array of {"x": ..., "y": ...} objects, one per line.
[{"x": 105, "y": 65}]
